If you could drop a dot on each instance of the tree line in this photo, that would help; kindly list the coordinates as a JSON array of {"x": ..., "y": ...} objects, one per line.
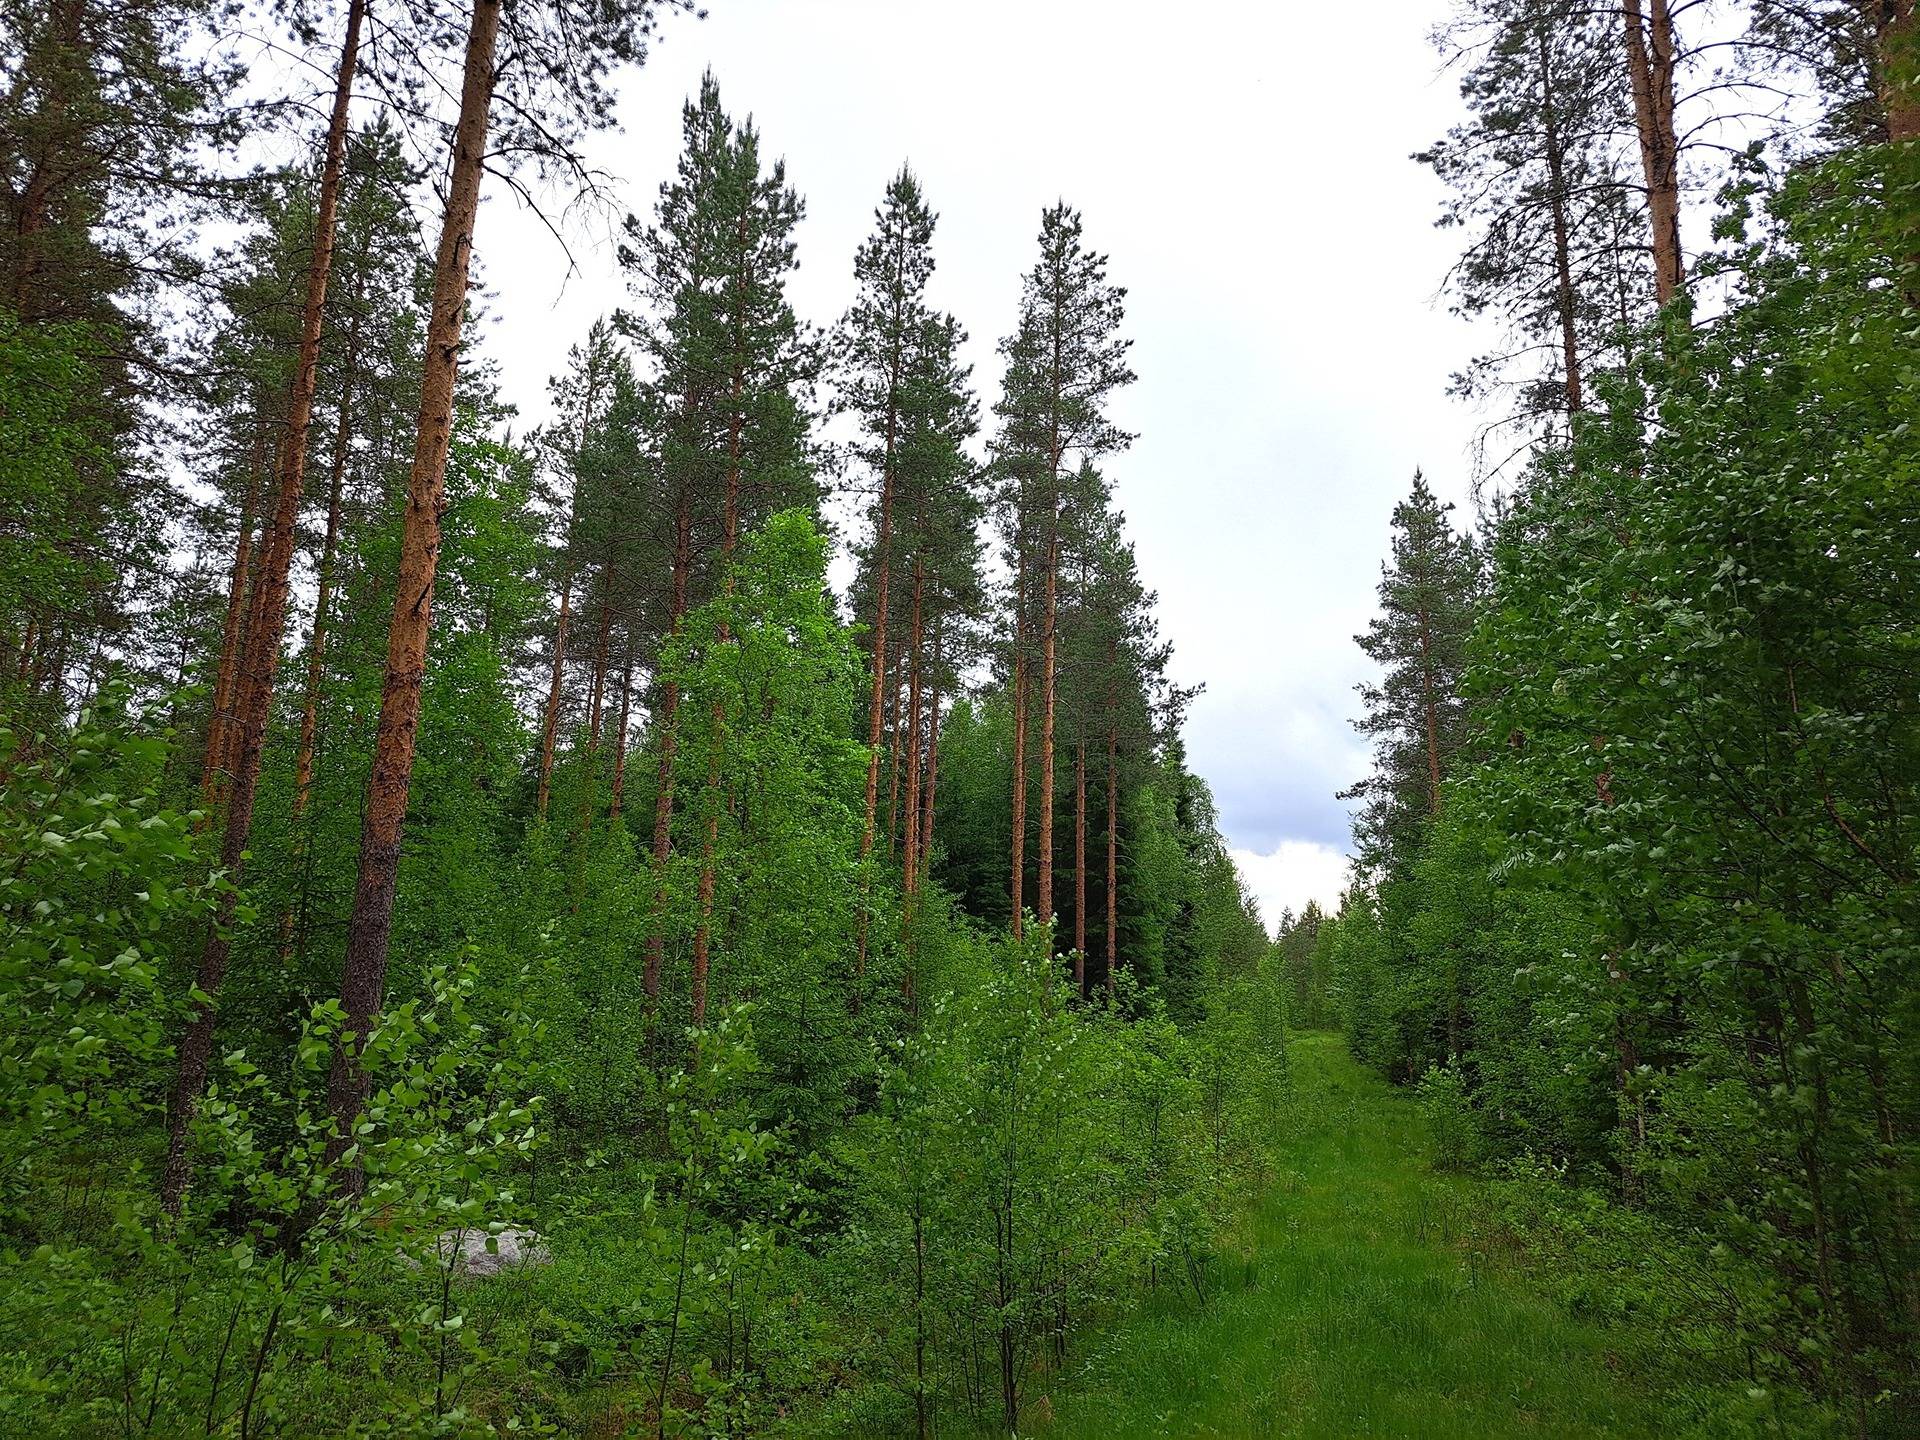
[
  {"x": 1635, "y": 892},
  {"x": 431, "y": 839}
]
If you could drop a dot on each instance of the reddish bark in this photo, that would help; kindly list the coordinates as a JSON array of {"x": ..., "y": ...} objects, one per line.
[
  {"x": 876, "y": 700},
  {"x": 66, "y": 24},
  {"x": 1113, "y": 852},
  {"x": 620, "y": 740},
  {"x": 1048, "y": 656},
  {"x": 214, "y": 771},
  {"x": 1650, "y": 62},
  {"x": 911, "y": 829},
  {"x": 1080, "y": 866},
  {"x": 897, "y": 706},
  {"x": 933, "y": 755},
  {"x": 254, "y": 688},
  {"x": 370, "y": 929},
  {"x": 323, "y": 602},
  {"x": 1019, "y": 846}
]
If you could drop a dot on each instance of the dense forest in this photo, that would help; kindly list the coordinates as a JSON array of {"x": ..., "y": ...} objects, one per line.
[
  {"x": 497, "y": 939},
  {"x": 1635, "y": 902}
]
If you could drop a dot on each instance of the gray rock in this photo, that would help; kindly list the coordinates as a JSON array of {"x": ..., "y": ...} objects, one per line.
[{"x": 511, "y": 1248}]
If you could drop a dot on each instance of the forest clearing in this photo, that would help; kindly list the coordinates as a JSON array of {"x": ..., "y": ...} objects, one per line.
[
  {"x": 1373, "y": 1295},
  {"x": 604, "y": 834}
]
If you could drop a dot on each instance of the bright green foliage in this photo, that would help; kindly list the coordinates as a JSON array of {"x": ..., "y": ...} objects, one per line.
[
  {"x": 1026, "y": 1164},
  {"x": 769, "y": 678},
  {"x": 1382, "y": 1299},
  {"x": 1305, "y": 959},
  {"x": 898, "y": 1166},
  {"x": 139, "y": 1322},
  {"x": 100, "y": 876},
  {"x": 1662, "y": 931}
]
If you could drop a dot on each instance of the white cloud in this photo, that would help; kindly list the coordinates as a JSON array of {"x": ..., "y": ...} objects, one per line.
[
  {"x": 1292, "y": 362},
  {"x": 1293, "y": 874}
]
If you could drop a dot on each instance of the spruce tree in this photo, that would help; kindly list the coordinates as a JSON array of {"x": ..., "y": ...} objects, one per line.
[
  {"x": 1416, "y": 712},
  {"x": 732, "y": 368}
]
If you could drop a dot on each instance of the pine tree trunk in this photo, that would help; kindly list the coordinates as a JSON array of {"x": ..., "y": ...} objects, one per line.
[
  {"x": 876, "y": 700},
  {"x": 1650, "y": 62},
  {"x": 254, "y": 687},
  {"x": 1898, "y": 63},
  {"x": 1562, "y": 242},
  {"x": 27, "y": 637},
  {"x": 590, "y": 761},
  {"x": 1113, "y": 851},
  {"x": 898, "y": 705},
  {"x": 1019, "y": 846},
  {"x": 668, "y": 724},
  {"x": 1048, "y": 655},
  {"x": 1080, "y": 867},
  {"x": 933, "y": 755},
  {"x": 729, "y": 537},
  {"x": 213, "y": 771},
  {"x": 323, "y": 601},
  {"x": 597, "y": 700},
  {"x": 910, "y": 849},
  {"x": 317, "y": 667},
  {"x": 702, "y": 935},
  {"x": 1430, "y": 708},
  {"x": 620, "y": 740},
  {"x": 370, "y": 930},
  {"x": 550, "y": 726},
  {"x": 67, "y": 20}
]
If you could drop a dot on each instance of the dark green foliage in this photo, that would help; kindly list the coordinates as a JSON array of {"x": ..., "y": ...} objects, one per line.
[{"x": 1416, "y": 713}]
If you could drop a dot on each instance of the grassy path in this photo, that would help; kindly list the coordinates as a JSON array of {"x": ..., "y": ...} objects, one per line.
[{"x": 1368, "y": 1315}]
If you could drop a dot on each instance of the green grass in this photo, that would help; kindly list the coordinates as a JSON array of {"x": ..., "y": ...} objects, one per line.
[{"x": 1371, "y": 1309}]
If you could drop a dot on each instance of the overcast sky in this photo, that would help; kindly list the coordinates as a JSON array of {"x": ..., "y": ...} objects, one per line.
[{"x": 1245, "y": 165}]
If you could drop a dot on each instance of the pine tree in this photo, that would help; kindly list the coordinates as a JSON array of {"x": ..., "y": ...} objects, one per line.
[
  {"x": 113, "y": 134},
  {"x": 1537, "y": 182},
  {"x": 553, "y": 84},
  {"x": 939, "y": 496},
  {"x": 1652, "y": 58},
  {"x": 258, "y": 653},
  {"x": 580, "y": 398},
  {"x": 1063, "y": 365},
  {"x": 875, "y": 337}
]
